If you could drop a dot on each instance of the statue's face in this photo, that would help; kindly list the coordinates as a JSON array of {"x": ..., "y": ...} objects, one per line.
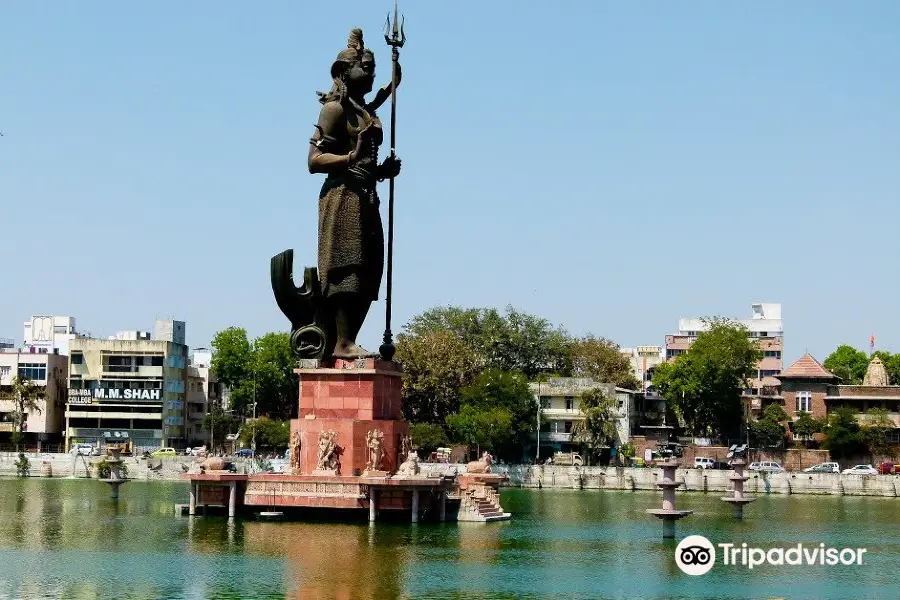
[{"x": 361, "y": 76}]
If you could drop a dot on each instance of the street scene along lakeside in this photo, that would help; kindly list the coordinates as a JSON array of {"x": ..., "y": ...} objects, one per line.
[{"x": 447, "y": 335}]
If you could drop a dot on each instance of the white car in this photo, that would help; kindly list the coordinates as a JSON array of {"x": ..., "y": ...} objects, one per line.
[
  {"x": 860, "y": 470},
  {"x": 766, "y": 467},
  {"x": 701, "y": 462},
  {"x": 826, "y": 467}
]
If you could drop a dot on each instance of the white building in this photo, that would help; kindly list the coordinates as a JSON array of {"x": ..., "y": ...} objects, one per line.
[
  {"x": 559, "y": 400},
  {"x": 48, "y": 333},
  {"x": 129, "y": 389},
  {"x": 203, "y": 392},
  {"x": 644, "y": 359},
  {"x": 49, "y": 372}
]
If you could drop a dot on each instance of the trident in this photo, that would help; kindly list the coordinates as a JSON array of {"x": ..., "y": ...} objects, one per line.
[{"x": 395, "y": 38}]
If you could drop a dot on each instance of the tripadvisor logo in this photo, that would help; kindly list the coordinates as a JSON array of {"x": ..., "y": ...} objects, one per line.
[{"x": 696, "y": 555}]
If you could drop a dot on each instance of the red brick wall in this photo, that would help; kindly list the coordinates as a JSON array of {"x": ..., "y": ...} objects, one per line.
[{"x": 819, "y": 391}]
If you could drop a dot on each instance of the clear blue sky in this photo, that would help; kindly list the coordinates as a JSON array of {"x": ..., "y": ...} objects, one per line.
[{"x": 610, "y": 166}]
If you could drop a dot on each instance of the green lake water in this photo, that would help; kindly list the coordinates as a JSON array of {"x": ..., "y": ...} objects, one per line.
[{"x": 68, "y": 539}]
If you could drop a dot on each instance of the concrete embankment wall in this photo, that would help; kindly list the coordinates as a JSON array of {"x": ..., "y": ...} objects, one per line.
[
  {"x": 696, "y": 480},
  {"x": 65, "y": 465}
]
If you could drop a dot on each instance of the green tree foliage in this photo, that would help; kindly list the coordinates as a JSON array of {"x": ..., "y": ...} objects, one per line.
[
  {"x": 508, "y": 391},
  {"x": 806, "y": 425},
  {"x": 260, "y": 371},
  {"x": 271, "y": 434},
  {"x": 25, "y": 400},
  {"x": 848, "y": 363},
  {"x": 843, "y": 436},
  {"x": 769, "y": 431},
  {"x": 485, "y": 428},
  {"x": 277, "y": 387},
  {"x": 219, "y": 424},
  {"x": 601, "y": 360},
  {"x": 874, "y": 433},
  {"x": 436, "y": 365},
  {"x": 704, "y": 384},
  {"x": 515, "y": 341},
  {"x": 598, "y": 429},
  {"x": 428, "y": 437}
]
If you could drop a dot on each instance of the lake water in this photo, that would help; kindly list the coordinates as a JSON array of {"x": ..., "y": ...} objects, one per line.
[{"x": 68, "y": 539}]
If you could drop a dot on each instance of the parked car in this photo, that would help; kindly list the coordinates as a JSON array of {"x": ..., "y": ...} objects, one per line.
[
  {"x": 244, "y": 453},
  {"x": 84, "y": 450},
  {"x": 860, "y": 470},
  {"x": 826, "y": 467},
  {"x": 887, "y": 468},
  {"x": 164, "y": 452},
  {"x": 702, "y": 462},
  {"x": 567, "y": 459},
  {"x": 766, "y": 467}
]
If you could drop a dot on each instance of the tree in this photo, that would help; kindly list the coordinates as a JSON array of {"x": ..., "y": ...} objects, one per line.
[
  {"x": 598, "y": 428},
  {"x": 848, "y": 363},
  {"x": 427, "y": 437},
  {"x": 516, "y": 341},
  {"x": 769, "y": 432},
  {"x": 509, "y": 391},
  {"x": 806, "y": 426},
  {"x": 436, "y": 365},
  {"x": 272, "y": 434},
  {"x": 232, "y": 364},
  {"x": 874, "y": 433},
  {"x": 273, "y": 374},
  {"x": 25, "y": 399},
  {"x": 485, "y": 428},
  {"x": 219, "y": 424},
  {"x": 704, "y": 384},
  {"x": 601, "y": 360},
  {"x": 843, "y": 436},
  {"x": 261, "y": 372}
]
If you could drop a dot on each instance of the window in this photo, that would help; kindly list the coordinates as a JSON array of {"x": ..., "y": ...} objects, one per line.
[
  {"x": 33, "y": 371},
  {"x": 772, "y": 353},
  {"x": 77, "y": 358},
  {"x": 570, "y": 402},
  {"x": 568, "y": 426},
  {"x": 545, "y": 402},
  {"x": 5, "y": 371},
  {"x": 804, "y": 401}
]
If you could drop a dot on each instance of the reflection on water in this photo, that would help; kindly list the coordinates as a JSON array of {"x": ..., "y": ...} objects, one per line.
[{"x": 68, "y": 539}]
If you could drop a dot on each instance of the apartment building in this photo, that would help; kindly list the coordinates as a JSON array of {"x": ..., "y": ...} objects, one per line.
[
  {"x": 129, "y": 388},
  {"x": 765, "y": 326},
  {"x": 49, "y": 372},
  {"x": 559, "y": 401},
  {"x": 203, "y": 393},
  {"x": 643, "y": 360}
]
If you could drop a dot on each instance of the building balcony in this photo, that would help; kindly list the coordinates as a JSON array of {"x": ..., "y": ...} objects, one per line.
[
  {"x": 568, "y": 413},
  {"x": 554, "y": 436}
]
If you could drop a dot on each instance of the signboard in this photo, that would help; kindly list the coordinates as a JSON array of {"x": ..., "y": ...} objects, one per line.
[
  {"x": 87, "y": 396},
  {"x": 110, "y": 434}
]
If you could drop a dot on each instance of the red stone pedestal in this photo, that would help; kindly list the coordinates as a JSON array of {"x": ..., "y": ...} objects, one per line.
[{"x": 350, "y": 398}]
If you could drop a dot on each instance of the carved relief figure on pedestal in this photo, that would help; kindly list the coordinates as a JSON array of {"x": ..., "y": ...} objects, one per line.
[
  {"x": 327, "y": 459},
  {"x": 410, "y": 466},
  {"x": 481, "y": 466},
  {"x": 295, "y": 451},
  {"x": 375, "y": 445}
]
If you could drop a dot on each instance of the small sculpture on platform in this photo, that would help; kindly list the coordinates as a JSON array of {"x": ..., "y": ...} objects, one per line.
[
  {"x": 375, "y": 445},
  {"x": 483, "y": 465},
  {"x": 295, "y": 451},
  {"x": 410, "y": 466},
  {"x": 328, "y": 452}
]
